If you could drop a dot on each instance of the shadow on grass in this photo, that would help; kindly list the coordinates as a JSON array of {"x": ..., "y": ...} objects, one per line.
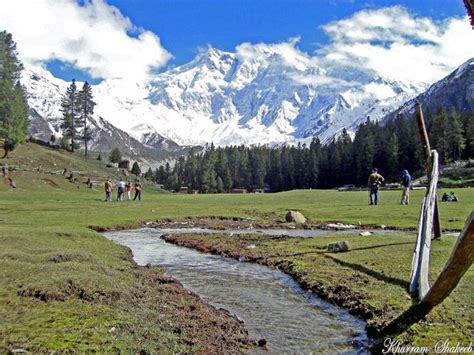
[
  {"x": 370, "y": 272},
  {"x": 380, "y": 246},
  {"x": 399, "y": 325}
]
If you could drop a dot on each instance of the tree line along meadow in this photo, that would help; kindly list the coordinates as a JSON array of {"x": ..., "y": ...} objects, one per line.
[{"x": 390, "y": 147}]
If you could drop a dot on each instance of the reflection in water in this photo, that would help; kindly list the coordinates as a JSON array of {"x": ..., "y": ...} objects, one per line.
[{"x": 270, "y": 302}]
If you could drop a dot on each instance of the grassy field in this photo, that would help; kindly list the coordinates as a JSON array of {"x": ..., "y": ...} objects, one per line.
[
  {"x": 64, "y": 286},
  {"x": 371, "y": 279}
]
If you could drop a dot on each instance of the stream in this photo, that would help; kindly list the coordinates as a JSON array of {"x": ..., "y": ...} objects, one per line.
[{"x": 271, "y": 303}]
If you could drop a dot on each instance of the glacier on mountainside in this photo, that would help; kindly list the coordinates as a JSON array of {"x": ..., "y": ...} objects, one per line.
[{"x": 260, "y": 94}]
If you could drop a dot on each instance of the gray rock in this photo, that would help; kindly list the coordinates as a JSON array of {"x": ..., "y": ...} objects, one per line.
[
  {"x": 295, "y": 217},
  {"x": 338, "y": 247}
]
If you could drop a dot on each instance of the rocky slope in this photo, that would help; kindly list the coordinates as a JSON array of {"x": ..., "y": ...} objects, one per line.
[{"x": 456, "y": 91}]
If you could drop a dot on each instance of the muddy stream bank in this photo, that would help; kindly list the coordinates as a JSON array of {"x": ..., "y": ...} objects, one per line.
[{"x": 272, "y": 304}]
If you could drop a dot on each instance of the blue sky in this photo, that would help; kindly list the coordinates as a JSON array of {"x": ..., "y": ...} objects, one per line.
[
  {"x": 106, "y": 39},
  {"x": 185, "y": 25}
]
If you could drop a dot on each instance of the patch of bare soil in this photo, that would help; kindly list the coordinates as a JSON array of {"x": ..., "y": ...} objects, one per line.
[
  {"x": 197, "y": 323},
  {"x": 50, "y": 182},
  {"x": 158, "y": 304}
]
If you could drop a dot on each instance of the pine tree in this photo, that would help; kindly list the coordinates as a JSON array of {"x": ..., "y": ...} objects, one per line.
[
  {"x": 149, "y": 174},
  {"x": 220, "y": 185},
  {"x": 438, "y": 133},
  {"x": 392, "y": 165},
  {"x": 161, "y": 175},
  {"x": 274, "y": 176},
  {"x": 86, "y": 108},
  {"x": 136, "y": 169},
  {"x": 115, "y": 155},
  {"x": 364, "y": 151},
  {"x": 469, "y": 135},
  {"x": 314, "y": 162},
  {"x": 71, "y": 117},
  {"x": 13, "y": 106},
  {"x": 454, "y": 136},
  {"x": 223, "y": 170}
]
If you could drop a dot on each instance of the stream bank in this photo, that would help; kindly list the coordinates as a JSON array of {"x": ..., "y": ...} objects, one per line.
[
  {"x": 370, "y": 280},
  {"x": 271, "y": 303}
]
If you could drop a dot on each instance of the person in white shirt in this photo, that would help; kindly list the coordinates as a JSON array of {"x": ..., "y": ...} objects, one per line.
[{"x": 120, "y": 189}]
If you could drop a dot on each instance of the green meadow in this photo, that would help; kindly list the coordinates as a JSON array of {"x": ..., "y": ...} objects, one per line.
[{"x": 64, "y": 286}]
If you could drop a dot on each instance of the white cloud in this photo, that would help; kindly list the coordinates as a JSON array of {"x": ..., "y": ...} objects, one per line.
[
  {"x": 397, "y": 46},
  {"x": 94, "y": 37}
]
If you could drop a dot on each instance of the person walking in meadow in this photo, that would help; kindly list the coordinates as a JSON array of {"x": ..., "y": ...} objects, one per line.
[
  {"x": 406, "y": 183},
  {"x": 120, "y": 189},
  {"x": 138, "y": 190},
  {"x": 128, "y": 187},
  {"x": 375, "y": 179},
  {"x": 108, "y": 191}
]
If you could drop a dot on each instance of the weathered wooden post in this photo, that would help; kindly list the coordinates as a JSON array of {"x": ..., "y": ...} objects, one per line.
[
  {"x": 421, "y": 258},
  {"x": 428, "y": 165}
]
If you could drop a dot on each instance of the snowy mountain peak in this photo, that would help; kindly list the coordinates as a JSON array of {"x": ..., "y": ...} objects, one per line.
[{"x": 259, "y": 94}]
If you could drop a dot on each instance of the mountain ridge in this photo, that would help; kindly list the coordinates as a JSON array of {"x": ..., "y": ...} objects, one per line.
[
  {"x": 259, "y": 94},
  {"x": 455, "y": 91}
]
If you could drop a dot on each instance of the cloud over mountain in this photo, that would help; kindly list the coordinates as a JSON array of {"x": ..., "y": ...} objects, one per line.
[
  {"x": 92, "y": 36},
  {"x": 397, "y": 45}
]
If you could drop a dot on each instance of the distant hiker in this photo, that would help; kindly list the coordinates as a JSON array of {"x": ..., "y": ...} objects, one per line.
[
  {"x": 406, "y": 183},
  {"x": 120, "y": 189},
  {"x": 138, "y": 190},
  {"x": 108, "y": 191},
  {"x": 451, "y": 197},
  {"x": 375, "y": 179},
  {"x": 128, "y": 187}
]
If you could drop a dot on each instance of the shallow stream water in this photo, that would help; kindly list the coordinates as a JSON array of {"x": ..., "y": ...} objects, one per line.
[{"x": 271, "y": 303}]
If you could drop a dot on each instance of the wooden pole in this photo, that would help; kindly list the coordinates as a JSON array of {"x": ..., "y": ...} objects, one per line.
[
  {"x": 429, "y": 213},
  {"x": 459, "y": 262},
  {"x": 425, "y": 143}
]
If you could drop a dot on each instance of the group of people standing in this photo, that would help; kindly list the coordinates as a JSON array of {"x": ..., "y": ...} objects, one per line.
[
  {"x": 123, "y": 187},
  {"x": 375, "y": 180}
]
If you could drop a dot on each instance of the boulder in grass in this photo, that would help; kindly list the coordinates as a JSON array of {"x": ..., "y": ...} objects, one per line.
[
  {"x": 338, "y": 247},
  {"x": 295, "y": 217}
]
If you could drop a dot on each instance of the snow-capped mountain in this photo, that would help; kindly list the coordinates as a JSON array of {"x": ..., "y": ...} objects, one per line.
[
  {"x": 456, "y": 91},
  {"x": 259, "y": 94},
  {"x": 44, "y": 94}
]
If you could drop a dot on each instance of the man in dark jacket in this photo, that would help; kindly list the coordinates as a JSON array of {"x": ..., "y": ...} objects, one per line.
[
  {"x": 375, "y": 179},
  {"x": 406, "y": 183}
]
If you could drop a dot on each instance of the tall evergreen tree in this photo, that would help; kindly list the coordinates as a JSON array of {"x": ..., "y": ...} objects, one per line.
[
  {"x": 13, "y": 106},
  {"x": 86, "y": 108},
  {"x": 149, "y": 174},
  {"x": 71, "y": 116},
  {"x": 115, "y": 155},
  {"x": 469, "y": 135},
  {"x": 392, "y": 167},
  {"x": 136, "y": 169},
  {"x": 454, "y": 136},
  {"x": 438, "y": 134},
  {"x": 314, "y": 162}
]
